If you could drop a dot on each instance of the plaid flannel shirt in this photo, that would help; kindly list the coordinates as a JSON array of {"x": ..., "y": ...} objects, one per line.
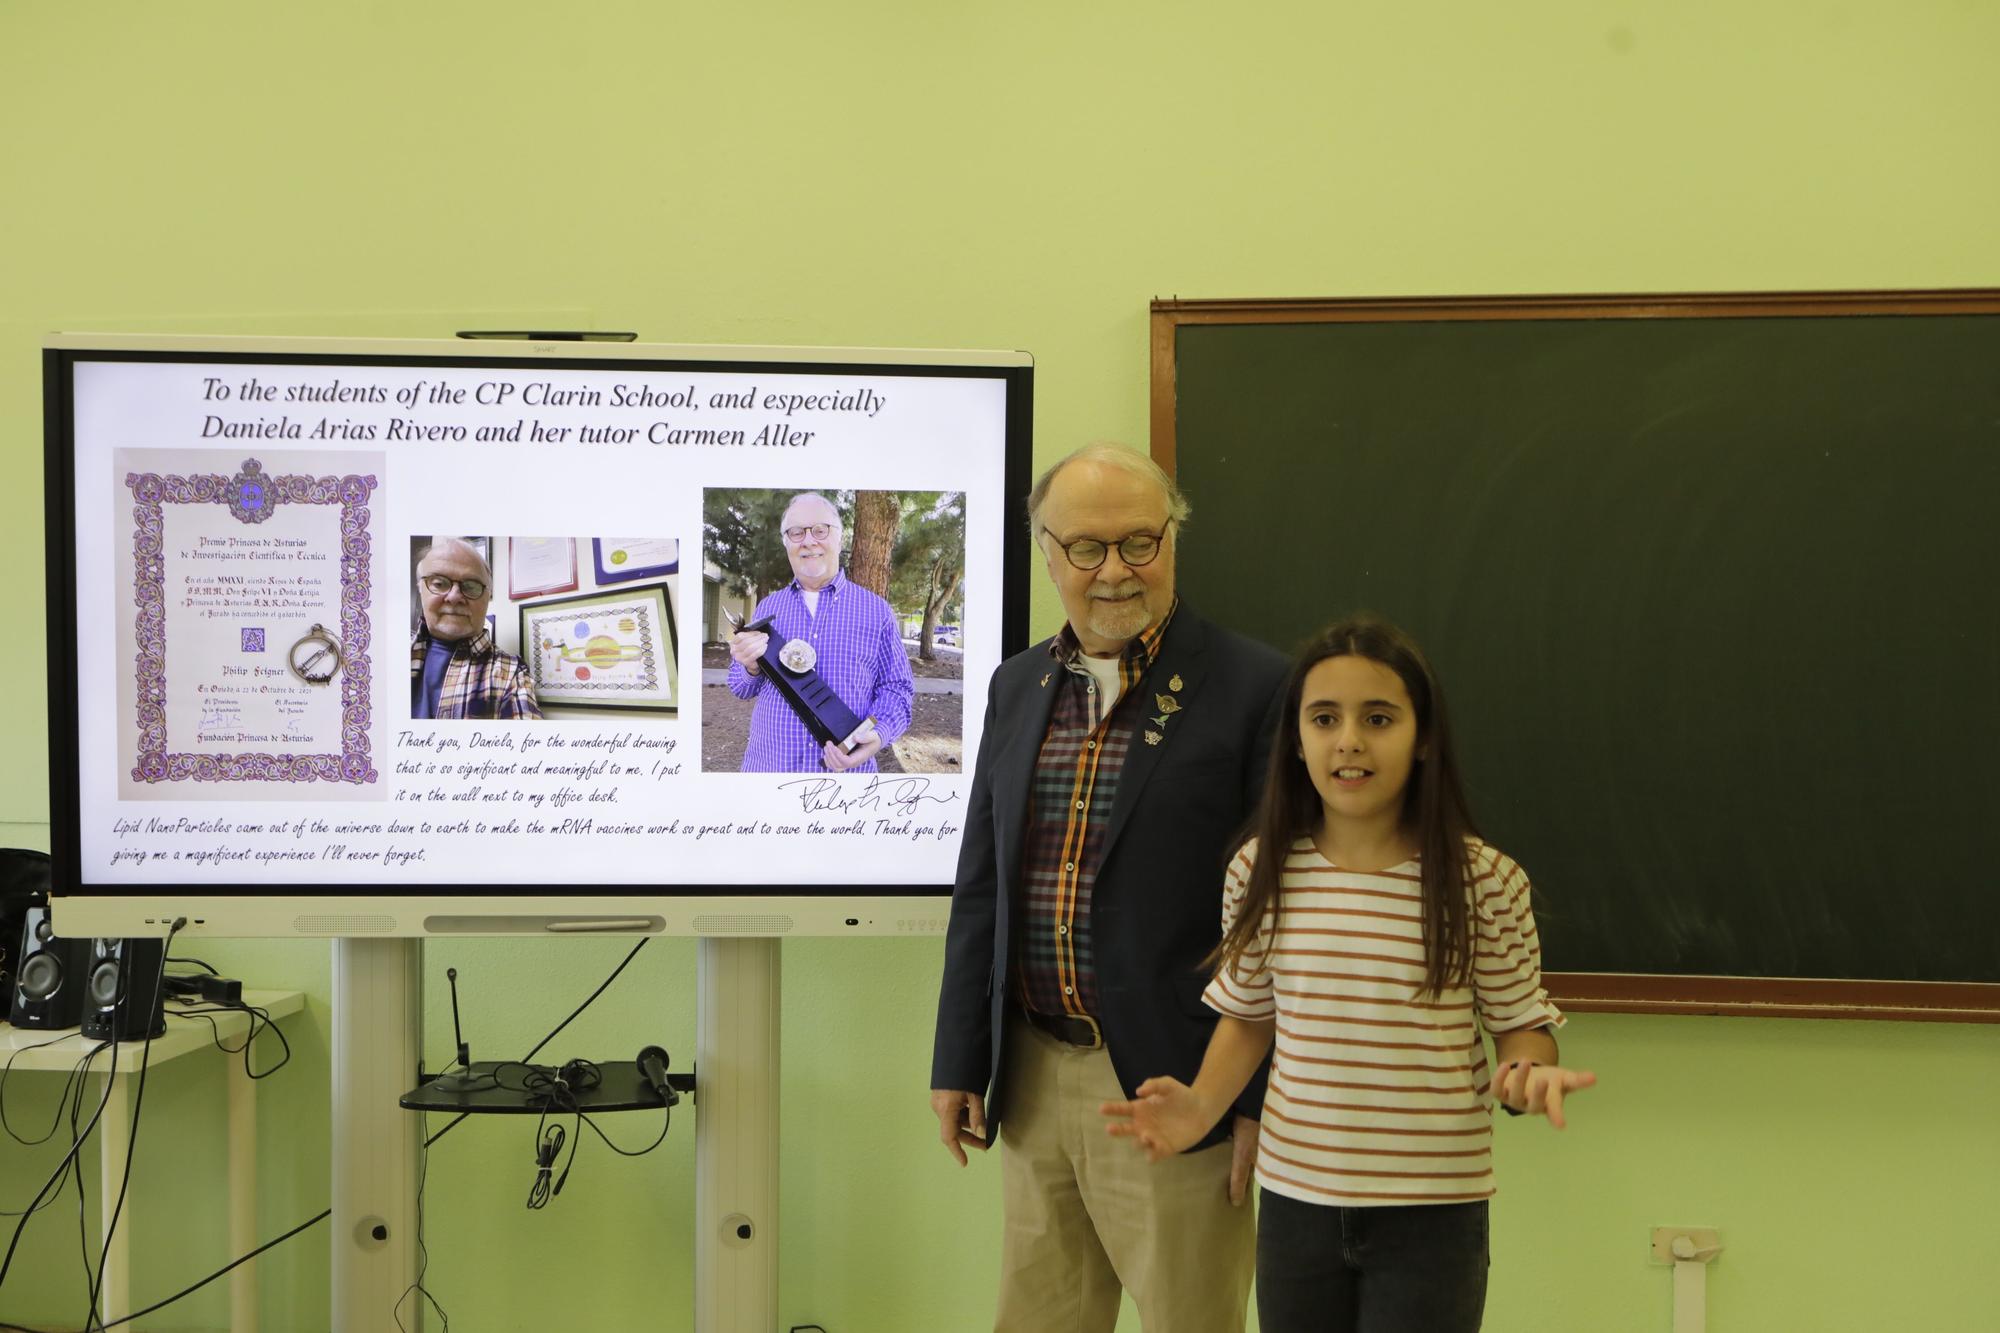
[
  {"x": 1075, "y": 782},
  {"x": 480, "y": 681}
]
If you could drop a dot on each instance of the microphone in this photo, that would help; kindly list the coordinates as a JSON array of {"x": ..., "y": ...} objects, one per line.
[
  {"x": 465, "y": 1080},
  {"x": 653, "y": 1069},
  {"x": 464, "y": 1050}
]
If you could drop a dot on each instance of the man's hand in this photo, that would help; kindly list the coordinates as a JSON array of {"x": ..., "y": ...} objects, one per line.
[
  {"x": 961, "y": 1121},
  {"x": 1537, "y": 1089},
  {"x": 747, "y": 647},
  {"x": 839, "y": 761},
  {"x": 1165, "y": 1118},
  {"x": 1242, "y": 1158}
]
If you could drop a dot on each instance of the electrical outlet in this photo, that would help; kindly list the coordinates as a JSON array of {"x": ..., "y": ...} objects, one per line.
[{"x": 1706, "y": 1242}]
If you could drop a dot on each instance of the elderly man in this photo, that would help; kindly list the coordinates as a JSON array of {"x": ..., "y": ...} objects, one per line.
[
  {"x": 1117, "y": 761},
  {"x": 455, "y": 669},
  {"x": 857, "y": 646}
]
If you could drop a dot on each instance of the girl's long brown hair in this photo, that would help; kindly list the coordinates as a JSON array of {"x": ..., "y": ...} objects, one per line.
[{"x": 1433, "y": 803}]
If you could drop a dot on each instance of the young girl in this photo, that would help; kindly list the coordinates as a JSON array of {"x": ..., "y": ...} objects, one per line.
[{"x": 1371, "y": 935}]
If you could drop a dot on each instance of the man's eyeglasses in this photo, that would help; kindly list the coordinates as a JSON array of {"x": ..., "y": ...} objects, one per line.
[
  {"x": 438, "y": 586},
  {"x": 817, "y": 531},
  {"x": 1136, "y": 551}
]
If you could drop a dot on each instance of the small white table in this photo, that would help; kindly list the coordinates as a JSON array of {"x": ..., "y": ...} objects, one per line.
[{"x": 114, "y": 1131}]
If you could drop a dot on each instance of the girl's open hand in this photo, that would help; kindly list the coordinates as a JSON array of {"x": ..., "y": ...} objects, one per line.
[
  {"x": 1165, "y": 1118},
  {"x": 1538, "y": 1089}
]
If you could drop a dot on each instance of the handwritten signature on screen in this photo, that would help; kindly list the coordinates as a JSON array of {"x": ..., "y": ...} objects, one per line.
[{"x": 902, "y": 796}]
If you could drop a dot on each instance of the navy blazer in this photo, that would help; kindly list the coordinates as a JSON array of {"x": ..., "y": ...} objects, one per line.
[{"x": 1156, "y": 905}]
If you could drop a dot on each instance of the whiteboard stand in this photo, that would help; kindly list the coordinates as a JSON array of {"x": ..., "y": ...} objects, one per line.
[
  {"x": 377, "y": 1045},
  {"x": 736, "y": 1136},
  {"x": 378, "y": 1029}
]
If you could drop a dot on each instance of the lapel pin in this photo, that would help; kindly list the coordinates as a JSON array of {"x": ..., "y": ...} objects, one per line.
[
  {"x": 1045, "y": 679},
  {"x": 1153, "y": 737},
  {"x": 1175, "y": 683}
]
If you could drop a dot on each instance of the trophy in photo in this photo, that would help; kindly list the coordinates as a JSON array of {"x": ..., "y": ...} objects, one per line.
[{"x": 790, "y": 666}]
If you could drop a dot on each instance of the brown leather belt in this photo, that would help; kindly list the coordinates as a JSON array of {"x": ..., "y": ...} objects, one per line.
[{"x": 1068, "y": 1028}]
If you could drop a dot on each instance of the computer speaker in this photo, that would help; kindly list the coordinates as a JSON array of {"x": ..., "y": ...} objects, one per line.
[
  {"x": 49, "y": 980},
  {"x": 123, "y": 999}
]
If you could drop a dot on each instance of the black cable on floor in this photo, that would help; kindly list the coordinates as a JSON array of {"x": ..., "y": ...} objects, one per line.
[{"x": 189, "y": 1291}]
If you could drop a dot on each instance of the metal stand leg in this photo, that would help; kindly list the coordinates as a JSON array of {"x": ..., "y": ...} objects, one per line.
[
  {"x": 377, "y": 1043},
  {"x": 114, "y": 1131},
  {"x": 242, "y": 1194},
  {"x": 736, "y": 1137}
]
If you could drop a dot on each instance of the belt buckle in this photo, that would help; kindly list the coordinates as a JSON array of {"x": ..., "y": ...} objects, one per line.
[{"x": 1096, "y": 1032}]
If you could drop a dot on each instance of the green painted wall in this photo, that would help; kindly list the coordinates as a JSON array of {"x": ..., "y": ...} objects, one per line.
[{"x": 1017, "y": 176}]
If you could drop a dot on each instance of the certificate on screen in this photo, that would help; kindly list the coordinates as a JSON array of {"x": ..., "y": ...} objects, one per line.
[{"x": 244, "y": 646}]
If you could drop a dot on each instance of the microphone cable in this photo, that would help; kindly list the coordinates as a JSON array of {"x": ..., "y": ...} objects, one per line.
[{"x": 453, "y": 1123}]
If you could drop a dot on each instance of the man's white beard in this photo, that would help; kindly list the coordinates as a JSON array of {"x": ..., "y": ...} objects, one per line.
[{"x": 1118, "y": 620}]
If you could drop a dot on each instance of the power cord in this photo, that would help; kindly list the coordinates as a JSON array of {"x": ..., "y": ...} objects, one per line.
[
  {"x": 71, "y": 1165},
  {"x": 423, "y": 1250},
  {"x": 94, "y": 1321},
  {"x": 220, "y": 1272},
  {"x": 69, "y": 1159},
  {"x": 71, "y": 1101},
  {"x": 72, "y": 1084},
  {"x": 260, "y": 1023},
  {"x": 76, "y": 1134},
  {"x": 422, "y": 1177}
]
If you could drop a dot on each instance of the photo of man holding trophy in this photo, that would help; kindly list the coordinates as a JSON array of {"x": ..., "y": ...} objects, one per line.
[{"x": 822, "y": 657}]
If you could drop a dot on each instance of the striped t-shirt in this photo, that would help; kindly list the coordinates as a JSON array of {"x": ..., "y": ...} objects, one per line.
[{"x": 1379, "y": 1094}]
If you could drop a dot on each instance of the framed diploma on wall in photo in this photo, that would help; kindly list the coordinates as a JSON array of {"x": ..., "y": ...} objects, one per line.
[
  {"x": 630, "y": 559},
  {"x": 538, "y": 565}
]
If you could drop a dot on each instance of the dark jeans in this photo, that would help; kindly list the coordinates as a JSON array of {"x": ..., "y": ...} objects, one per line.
[{"x": 1400, "y": 1268}]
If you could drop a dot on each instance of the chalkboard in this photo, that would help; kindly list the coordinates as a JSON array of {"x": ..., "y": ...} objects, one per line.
[{"x": 1713, "y": 586}]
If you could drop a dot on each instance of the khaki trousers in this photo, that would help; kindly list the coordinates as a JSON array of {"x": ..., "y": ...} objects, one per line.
[{"x": 1087, "y": 1215}]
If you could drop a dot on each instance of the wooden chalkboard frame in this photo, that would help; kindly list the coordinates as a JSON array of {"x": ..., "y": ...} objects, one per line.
[{"x": 1590, "y": 992}]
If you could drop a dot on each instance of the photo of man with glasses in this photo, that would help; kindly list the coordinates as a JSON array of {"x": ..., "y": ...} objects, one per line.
[
  {"x": 856, "y": 644},
  {"x": 456, "y": 670}
]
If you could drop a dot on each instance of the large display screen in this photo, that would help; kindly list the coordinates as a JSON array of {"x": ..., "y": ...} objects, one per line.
[{"x": 355, "y": 621}]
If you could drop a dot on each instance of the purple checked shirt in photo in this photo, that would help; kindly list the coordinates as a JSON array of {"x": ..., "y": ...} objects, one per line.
[{"x": 861, "y": 655}]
